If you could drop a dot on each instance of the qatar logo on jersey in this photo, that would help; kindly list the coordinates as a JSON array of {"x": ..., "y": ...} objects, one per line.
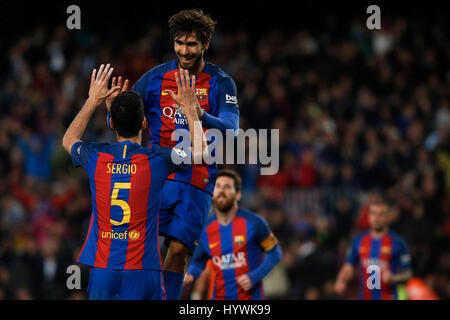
[
  {"x": 176, "y": 115},
  {"x": 383, "y": 264},
  {"x": 230, "y": 261}
]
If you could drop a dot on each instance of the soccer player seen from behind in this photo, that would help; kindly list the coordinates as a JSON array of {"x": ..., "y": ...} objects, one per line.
[
  {"x": 126, "y": 180},
  {"x": 235, "y": 240},
  {"x": 186, "y": 198},
  {"x": 382, "y": 256}
]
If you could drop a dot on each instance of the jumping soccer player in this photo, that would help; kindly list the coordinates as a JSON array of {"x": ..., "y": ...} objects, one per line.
[
  {"x": 126, "y": 180},
  {"x": 235, "y": 240},
  {"x": 383, "y": 258},
  {"x": 186, "y": 197}
]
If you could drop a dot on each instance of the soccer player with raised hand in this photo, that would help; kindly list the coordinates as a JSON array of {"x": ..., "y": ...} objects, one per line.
[
  {"x": 186, "y": 197},
  {"x": 126, "y": 179}
]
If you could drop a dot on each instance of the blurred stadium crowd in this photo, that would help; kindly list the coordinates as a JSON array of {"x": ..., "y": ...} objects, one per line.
[{"x": 361, "y": 113}]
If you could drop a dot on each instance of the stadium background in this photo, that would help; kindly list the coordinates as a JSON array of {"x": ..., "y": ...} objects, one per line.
[{"x": 360, "y": 113}]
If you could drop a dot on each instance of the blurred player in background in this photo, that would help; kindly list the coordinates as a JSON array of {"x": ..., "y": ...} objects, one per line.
[
  {"x": 186, "y": 197},
  {"x": 377, "y": 247},
  {"x": 235, "y": 240},
  {"x": 126, "y": 180}
]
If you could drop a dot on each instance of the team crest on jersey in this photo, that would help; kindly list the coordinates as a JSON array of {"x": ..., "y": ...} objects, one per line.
[
  {"x": 385, "y": 250},
  {"x": 239, "y": 240},
  {"x": 202, "y": 94}
]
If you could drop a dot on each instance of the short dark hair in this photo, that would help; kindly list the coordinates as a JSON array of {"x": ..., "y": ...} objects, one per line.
[
  {"x": 234, "y": 175},
  {"x": 127, "y": 113},
  {"x": 187, "y": 21}
]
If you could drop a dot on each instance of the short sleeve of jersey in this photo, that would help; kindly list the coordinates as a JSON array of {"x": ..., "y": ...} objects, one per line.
[
  {"x": 264, "y": 236},
  {"x": 352, "y": 253},
  {"x": 80, "y": 153},
  {"x": 403, "y": 256},
  {"x": 174, "y": 158},
  {"x": 227, "y": 96}
]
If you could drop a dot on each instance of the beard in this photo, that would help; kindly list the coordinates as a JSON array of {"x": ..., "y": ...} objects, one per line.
[
  {"x": 192, "y": 65},
  {"x": 224, "y": 204},
  {"x": 378, "y": 229}
]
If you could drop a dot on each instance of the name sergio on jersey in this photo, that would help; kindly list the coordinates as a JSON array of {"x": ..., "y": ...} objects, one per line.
[
  {"x": 119, "y": 168},
  {"x": 230, "y": 261}
]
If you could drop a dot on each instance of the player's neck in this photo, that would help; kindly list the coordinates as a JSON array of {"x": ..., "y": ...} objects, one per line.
[
  {"x": 136, "y": 139},
  {"x": 378, "y": 234},
  {"x": 197, "y": 68},
  {"x": 225, "y": 218}
]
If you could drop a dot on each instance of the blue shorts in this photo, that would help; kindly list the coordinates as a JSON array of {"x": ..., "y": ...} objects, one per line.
[
  {"x": 112, "y": 284},
  {"x": 183, "y": 212}
]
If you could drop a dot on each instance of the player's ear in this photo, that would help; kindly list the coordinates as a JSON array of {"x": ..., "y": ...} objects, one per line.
[
  {"x": 144, "y": 123},
  {"x": 238, "y": 196},
  {"x": 206, "y": 45}
]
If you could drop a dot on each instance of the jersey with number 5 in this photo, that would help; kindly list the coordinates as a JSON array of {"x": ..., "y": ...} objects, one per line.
[{"x": 126, "y": 181}]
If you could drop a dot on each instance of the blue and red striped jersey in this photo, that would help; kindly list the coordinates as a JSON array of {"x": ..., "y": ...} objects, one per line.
[
  {"x": 389, "y": 252},
  {"x": 126, "y": 181},
  {"x": 216, "y": 94},
  {"x": 234, "y": 249}
]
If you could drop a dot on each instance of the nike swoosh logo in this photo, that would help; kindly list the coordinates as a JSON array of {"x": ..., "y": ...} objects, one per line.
[
  {"x": 213, "y": 245},
  {"x": 163, "y": 93}
]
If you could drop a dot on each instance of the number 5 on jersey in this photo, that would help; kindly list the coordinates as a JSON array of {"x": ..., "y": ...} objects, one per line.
[{"x": 121, "y": 203}]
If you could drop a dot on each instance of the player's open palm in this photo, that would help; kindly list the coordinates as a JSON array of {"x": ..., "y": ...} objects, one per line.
[
  {"x": 185, "y": 96},
  {"x": 123, "y": 87},
  {"x": 98, "y": 90}
]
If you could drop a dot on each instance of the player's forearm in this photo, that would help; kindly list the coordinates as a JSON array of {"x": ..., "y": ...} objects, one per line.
[
  {"x": 272, "y": 259},
  {"x": 198, "y": 139},
  {"x": 78, "y": 125},
  {"x": 346, "y": 273},
  {"x": 226, "y": 120},
  {"x": 401, "y": 277}
]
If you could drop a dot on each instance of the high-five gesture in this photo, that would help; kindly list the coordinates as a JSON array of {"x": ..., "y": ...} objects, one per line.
[
  {"x": 185, "y": 97},
  {"x": 98, "y": 90},
  {"x": 116, "y": 82}
]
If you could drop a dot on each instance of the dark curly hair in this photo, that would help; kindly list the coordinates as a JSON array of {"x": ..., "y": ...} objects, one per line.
[{"x": 187, "y": 21}]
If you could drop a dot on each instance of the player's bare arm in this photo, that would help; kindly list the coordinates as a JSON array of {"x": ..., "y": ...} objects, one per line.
[
  {"x": 186, "y": 99},
  {"x": 98, "y": 92},
  {"x": 389, "y": 277},
  {"x": 344, "y": 276}
]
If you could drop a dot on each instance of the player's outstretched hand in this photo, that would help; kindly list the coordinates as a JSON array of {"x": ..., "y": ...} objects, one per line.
[
  {"x": 116, "y": 82},
  {"x": 98, "y": 90},
  {"x": 185, "y": 97},
  {"x": 245, "y": 282}
]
